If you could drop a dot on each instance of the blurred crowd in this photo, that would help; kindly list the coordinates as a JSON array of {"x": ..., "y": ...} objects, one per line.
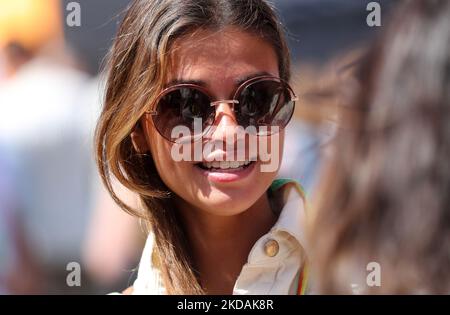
[{"x": 50, "y": 195}]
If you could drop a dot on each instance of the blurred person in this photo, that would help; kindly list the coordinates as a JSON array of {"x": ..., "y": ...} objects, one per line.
[
  {"x": 113, "y": 239},
  {"x": 46, "y": 121},
  {"x": 19, "y": 272},
  {"x": 216, "y": 227},
  {"x": 313, "y": 125},
  {"x": 384, "y": 197},
  {"x": 302, "y": 153}
]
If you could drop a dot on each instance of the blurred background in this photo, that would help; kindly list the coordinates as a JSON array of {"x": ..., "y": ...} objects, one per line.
[{"x": 53, "y": 209}]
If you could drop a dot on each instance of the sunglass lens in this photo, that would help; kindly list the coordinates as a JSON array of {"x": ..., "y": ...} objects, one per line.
[
  {"x": 182, "y": 108},
  {"x": 265, "y": 104}
]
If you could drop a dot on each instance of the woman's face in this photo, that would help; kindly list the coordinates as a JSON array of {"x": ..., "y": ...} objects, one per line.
[{"x": 219, "y": 60}]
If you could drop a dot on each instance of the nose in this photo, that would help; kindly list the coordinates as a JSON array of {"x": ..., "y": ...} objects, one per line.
[
  {"x": 225, "y": 120},
  {"x": 226, "y": 134}
]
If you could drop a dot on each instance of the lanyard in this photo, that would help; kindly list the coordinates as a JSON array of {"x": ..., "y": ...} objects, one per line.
[{"x": 303, "y": 280}]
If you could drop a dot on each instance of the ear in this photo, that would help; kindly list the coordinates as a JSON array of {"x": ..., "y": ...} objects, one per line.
[{"x": 138, "y": 140}]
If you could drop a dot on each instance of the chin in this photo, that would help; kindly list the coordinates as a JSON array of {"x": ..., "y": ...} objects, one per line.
[{"x": 228, "y": 202}]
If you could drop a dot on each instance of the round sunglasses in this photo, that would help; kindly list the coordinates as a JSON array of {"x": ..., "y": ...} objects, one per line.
[{"x": 262, "y": 102}]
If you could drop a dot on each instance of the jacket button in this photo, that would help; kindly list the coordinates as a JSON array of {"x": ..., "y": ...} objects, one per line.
[{"x": 271, "y": 248}]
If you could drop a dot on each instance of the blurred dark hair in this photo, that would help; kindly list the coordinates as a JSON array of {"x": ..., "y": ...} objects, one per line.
[{"x": 385, "y": 195}]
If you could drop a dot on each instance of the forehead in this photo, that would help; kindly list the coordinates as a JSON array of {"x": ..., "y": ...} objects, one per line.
[{"x": 221, "y": 57}]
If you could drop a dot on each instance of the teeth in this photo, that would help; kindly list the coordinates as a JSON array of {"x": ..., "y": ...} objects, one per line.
[
  {"x": 225, "y": 164},
  {"x": 235, "y": 164}
]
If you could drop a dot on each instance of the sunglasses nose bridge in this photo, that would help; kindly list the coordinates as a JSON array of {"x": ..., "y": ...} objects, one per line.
[
  {"x": 230, "y": 103},
  {"x": 224, "y": 108},
  {"x": 224, "y": 120}
]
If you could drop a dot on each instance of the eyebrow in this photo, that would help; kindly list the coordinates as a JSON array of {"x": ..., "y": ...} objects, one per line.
[{"x": 238, "y": 81}]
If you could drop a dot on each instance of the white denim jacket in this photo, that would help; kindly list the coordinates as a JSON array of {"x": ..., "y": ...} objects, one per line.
[{"x": 275, "y": 262}]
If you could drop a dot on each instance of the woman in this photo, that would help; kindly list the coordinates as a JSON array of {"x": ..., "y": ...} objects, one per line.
[
  {"x": 219, "y": 222},
  {"x": 382, "y": 224}
]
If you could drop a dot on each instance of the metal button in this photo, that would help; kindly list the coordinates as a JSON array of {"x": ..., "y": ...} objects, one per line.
[{"x": 271, "y": 248}]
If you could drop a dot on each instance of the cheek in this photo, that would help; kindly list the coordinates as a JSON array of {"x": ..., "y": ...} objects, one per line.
[{"x": 170, "y": 171}]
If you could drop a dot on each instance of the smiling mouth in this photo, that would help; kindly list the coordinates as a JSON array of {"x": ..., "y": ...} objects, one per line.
[{"x": 225, "y": 166}]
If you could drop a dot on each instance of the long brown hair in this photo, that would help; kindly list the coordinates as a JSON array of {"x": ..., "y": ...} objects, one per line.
[
  {"x": 385, "y": 195},
  {"x": 137, "y": 69}
]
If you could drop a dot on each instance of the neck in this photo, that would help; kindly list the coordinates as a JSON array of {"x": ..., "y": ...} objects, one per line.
[{"x": 224, "y": 242}]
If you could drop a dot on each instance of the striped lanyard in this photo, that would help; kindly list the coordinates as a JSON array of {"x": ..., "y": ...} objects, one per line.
[
  {"x": 303, "y": 276},
  {"x": 303, "y": 280}
]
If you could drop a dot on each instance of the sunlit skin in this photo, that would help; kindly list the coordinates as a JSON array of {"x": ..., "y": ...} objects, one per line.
[{"x": 223, "y": 219}]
